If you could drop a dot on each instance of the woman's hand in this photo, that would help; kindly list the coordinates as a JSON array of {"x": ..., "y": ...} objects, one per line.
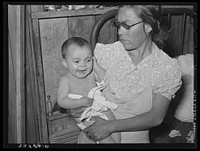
[{"x": 101, "y": 129}]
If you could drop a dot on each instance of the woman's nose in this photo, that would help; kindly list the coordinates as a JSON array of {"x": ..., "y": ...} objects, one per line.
[{"x": 120, "y": 30}]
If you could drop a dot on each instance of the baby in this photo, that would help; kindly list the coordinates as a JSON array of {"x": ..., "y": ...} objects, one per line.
[{"x": 78, "y": 88}]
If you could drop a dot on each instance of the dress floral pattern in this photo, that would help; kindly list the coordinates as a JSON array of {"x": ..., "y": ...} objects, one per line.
[
  {"x": 133, "y": 86},
  {"x": 125, "y": 79}
]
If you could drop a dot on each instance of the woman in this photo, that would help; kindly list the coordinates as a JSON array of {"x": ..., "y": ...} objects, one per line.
[{"x": 139, "y": 75}]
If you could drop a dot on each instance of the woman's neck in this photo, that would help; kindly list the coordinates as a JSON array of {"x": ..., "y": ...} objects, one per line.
[{"x": 140, "y": 53}]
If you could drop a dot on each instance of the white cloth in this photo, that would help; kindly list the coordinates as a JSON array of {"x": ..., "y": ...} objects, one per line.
[{"x": 99, "y": 104}]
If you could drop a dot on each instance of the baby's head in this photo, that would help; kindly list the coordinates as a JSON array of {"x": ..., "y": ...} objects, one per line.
[{"x": 77, "y": 57}]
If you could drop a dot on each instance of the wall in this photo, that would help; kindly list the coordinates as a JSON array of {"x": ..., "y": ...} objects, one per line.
[{"x": 16, "y": 104}]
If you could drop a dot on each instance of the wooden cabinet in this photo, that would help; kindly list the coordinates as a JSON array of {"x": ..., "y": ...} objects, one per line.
[{"x": 50, "y": 30}]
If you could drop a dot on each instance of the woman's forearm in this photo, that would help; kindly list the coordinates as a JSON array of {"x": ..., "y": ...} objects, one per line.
[
  {"x": 146, "y": 120},
  {"x": 137, "y": 123},
  {"x": 107, "y": 140}
]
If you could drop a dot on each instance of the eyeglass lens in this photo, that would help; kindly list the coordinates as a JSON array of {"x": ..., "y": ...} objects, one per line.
[{"x": 127, "y": 27}]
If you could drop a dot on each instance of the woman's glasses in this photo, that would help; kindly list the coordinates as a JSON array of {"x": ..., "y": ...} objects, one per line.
[{"x": 124, "y": 25}]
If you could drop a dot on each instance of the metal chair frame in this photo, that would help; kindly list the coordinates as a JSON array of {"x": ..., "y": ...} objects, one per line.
[{"x": 169, "y": 12}]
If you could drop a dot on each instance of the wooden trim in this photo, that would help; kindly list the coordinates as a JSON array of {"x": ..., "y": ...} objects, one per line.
[
  {"x": 18, "y": 78},
  {"x": 31, "y": 87},
  {"x": 36, "y": 8},
  {"x": 69, "y": 13},
  {"x": 22, "y": 74},
  {"x": 86, "y": 12},
  {"x": 177, "y": 6},
  {"x": 40, "y": 83},
  {"x": 16, "y": 31}
]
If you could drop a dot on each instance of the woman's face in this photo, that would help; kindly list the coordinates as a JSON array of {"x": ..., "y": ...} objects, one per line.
[
  {"x": 79, "y": 61},
  {"x": 136, "y": 35}
]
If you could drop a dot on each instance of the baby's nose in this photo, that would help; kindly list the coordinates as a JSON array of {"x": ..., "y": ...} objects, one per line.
[{"x": 83, "y": 64}]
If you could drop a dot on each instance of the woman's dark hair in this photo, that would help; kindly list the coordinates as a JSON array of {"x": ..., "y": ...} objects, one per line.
[
  {"x": 74, "y": 40},
  {"x": 151, "y": 14}
]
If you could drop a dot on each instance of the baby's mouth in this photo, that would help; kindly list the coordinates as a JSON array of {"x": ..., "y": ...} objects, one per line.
[{"x": 82, "y": 71}]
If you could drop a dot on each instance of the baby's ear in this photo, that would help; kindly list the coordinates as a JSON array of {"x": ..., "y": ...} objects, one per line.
[{"x": 64, "y": 63}]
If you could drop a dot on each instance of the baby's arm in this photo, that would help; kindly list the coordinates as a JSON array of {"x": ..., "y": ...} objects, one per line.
[
  {"x": 68, "y": 103},
  {"x": 114, "y": 137},
  {"x": 100, "y": 72}
]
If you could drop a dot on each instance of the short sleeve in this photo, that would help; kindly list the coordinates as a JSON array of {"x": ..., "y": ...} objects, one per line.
[
  {"x": 102, "y": 55},
  {"x": 167, "y": 77},
  {"x": 107, "y": 54}
]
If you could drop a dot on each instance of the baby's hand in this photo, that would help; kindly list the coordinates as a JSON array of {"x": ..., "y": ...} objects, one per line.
[{"x": 86, "y": 101}]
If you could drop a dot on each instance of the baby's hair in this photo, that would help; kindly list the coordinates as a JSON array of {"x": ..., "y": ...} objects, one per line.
[{"x": 74, "y": 40}]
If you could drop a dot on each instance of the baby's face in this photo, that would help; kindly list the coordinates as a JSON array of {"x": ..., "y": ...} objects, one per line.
[{"x": 79, "y": 61}]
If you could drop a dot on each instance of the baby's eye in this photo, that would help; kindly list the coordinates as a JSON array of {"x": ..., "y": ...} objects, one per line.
[
  {"x": 88, "y": 60},
  {"x": 76, "y": 61}
]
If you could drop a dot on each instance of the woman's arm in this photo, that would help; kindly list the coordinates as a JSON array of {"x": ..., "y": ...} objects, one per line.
[
  {"x": 99, "y": 71},
  {"x": 102, "y": 129},
  {"x": 115, "y": 137},
  {"x": 146, "y": 120}
]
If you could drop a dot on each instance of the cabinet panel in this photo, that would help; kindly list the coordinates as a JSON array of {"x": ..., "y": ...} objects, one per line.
[
  {"x": 81, "y": 26},
  {"x": 53, "y": 32}
]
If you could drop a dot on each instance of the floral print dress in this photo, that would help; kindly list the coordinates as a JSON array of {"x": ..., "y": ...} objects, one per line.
[{"x": 133, "y": 86}]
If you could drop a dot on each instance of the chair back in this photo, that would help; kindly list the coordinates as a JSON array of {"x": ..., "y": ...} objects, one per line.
[{"x": 178, "y": 27}]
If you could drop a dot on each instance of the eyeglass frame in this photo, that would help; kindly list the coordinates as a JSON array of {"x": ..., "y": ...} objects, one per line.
[{"x": 124, "y": 25}]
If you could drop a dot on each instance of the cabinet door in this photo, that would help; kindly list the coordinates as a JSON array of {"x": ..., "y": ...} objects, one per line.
[{"x": 53, "y": 32}]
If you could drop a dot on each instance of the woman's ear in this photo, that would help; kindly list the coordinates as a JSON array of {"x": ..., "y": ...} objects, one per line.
[
  {"x": 64, "y": 63},
  {"x": 147, "y": 28}
]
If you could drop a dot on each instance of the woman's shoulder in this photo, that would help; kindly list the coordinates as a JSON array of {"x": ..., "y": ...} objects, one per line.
[
  {"x": 117, "y": 43},
  {"x": 108, "y": 48},
  {"x": 163, "y": 59},
  {"x": 164, "y": 66},
  {"x": 108, "y": 54}
]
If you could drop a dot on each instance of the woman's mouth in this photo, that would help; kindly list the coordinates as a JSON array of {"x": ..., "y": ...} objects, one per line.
[{"x": 122, "y": 39}]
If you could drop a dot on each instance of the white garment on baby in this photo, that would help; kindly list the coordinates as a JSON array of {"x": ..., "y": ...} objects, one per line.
[{"x": 99, "y": 104}]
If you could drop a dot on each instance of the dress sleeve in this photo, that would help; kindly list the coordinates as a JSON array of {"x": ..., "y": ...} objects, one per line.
[
  {"x": 102, "y": 55},
  {"x": 167, "y": 77},
  {"x": 107, "y": 54}
]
